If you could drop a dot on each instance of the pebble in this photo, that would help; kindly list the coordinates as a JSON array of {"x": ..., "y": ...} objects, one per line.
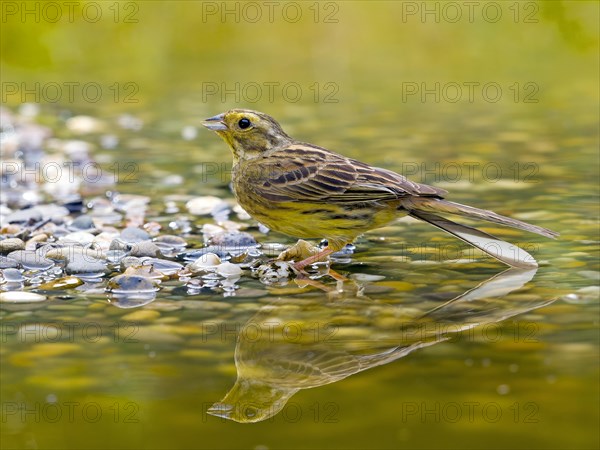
[
  {"x": 130, "y": 284},
  {"x": 274, "y": 272},
  {"x": 82, "y": 223},
  {"x": 130, "y": 261},
  {"x": 78, "y": 237},
  {"x": 80, "y": 264},
  {"x": 33, "y": 242},
  {"x": 164, "y": 266},
  {"x": 132, "y": 235},
  {"x": 205, "y": 262},
  {"x": 8, "y": 263},
  {"x": 31, "y": 260},
  {"x": 145, "y": 248},
  {"x": 228, "y": 269},
  {"x": 12, "y": 275},
  {"x": 170, "y": 241},
  {"x": 11, "y": 245},
  {"x": 24, "y": 216},
  {"x": 233, "y": 240},
  {"x": 203, "y": 206},
  {"x": 21, "y": 297},
  {"x": 144, "y": 271},
  {"x": 193, "y": 255},
  {"x": 71, "y": 252},
  {"x": 61, "y": 284}
]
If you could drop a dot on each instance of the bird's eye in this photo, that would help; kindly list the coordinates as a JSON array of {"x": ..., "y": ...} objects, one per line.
[{"x": 244, "y": 123}]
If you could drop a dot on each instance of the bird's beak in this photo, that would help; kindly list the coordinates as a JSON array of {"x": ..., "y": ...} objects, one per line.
[
  {"x": 221, "y": 410},
  {"x": 215, "y": 123}
]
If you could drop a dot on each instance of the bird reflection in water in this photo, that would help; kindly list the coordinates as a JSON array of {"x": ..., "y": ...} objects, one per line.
[{"x": 296, "y": 344}]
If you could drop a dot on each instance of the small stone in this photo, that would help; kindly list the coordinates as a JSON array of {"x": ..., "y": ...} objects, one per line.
[
  {"x": 8, "y": 263},
  {"x": 206, "y": 262},
  {"x": 12, "y": 276},
  {"x": 21, "y": 297},
  {"x": 202, "y": 206},
  {"x": 130, "y": 261},
  {"x": 131, "y": 284},
  {"x": 145, "y": 248},
  {"x": 170, "y": 241},
  {"x": 228, "y": 269},
  {"x": 78, "y": 237},
  {"x": 61, "y": 284},
  {"x": 11, "y": 245},
  {"x": 144, "y": 271},
  {"x": 33, "y": 242},
  {"x": 53, "y": 212},
  {"x": 163, "y": 266},
  {"x": 70, "y": 252},
  {"x": 82, "y": 223},
  {"x": 80, "y": 264},
  {"x": 233, "y": 240},
  {"x": 31, "y": 260},
  {"x": 274, "y": 272},
  {"x": 131, "y": 235},
  {"x": 24, "y": 216}
]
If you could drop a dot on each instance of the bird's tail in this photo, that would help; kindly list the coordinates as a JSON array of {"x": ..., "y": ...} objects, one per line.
[
  {"x": 432, "y": 205},
  {"x": 503, "y": 251}
]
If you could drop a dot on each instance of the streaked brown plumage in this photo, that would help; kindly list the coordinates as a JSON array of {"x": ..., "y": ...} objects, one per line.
[{"x": 307, "y": 191}]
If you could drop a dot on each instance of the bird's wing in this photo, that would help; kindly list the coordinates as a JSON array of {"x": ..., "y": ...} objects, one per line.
[{"x": 302, "y": 172}]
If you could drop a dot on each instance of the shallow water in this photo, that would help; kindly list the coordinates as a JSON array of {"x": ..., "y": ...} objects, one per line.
[{"x": 430, "y": 345}]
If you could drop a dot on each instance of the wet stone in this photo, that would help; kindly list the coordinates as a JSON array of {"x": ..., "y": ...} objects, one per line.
[
  {"x": 170, "y": 240},
  {"x": 227, "y": 269},
  {"x": 193, "y": 255},
  {"x": 53, "y": 212},
  {"x": 132, "y": 235},
  {"x": 71, "y": 252},
  {"x": 130, "y": 284},
  {"x": 61, "y": 284},
  {"x": 233, "y": 240},
  {"x": 274, "y": 272},
  {"x": 12, "y": 276},
  {"x": 82, "y": 223},
  {"x": 21, "y": 297},
  {"x": 130, "y": 261},
  {"x": 115, "y": 256},
  {"x": 8, "y": 263},
  {"x": 31, "y": 260},
  {"x": 78, "y": 237},
  {"x": 202, "y": 206},
  {"x": 163, "y": 266},
  {"x": 145, "y": 248},
  {"x": 144, "y": 271},
  {"x": 206, "y": 262},
  {"x": 80, "y": 264},
  {"x": 30, "y": 215},
  {"x": 11, "y": 245}
]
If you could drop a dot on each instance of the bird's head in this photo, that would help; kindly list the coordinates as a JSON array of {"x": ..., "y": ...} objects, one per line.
[
  {"x": 251, "y": 401},
  {"x": 248, "y": 133}
]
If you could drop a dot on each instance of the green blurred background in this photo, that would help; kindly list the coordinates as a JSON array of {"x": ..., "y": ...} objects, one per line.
[{"x": 357, "y": 65}]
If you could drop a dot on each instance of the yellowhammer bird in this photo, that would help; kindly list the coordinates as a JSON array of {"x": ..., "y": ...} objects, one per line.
[{"x": 307, "y": 191}]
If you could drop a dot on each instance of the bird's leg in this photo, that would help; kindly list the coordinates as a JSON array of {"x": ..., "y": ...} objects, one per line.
[{"x": 299, "y": 266}]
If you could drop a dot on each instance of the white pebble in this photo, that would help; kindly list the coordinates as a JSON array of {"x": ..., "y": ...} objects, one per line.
[
  {"x": 21, "y": 297},
  {"x": 228, "y": 269}
]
